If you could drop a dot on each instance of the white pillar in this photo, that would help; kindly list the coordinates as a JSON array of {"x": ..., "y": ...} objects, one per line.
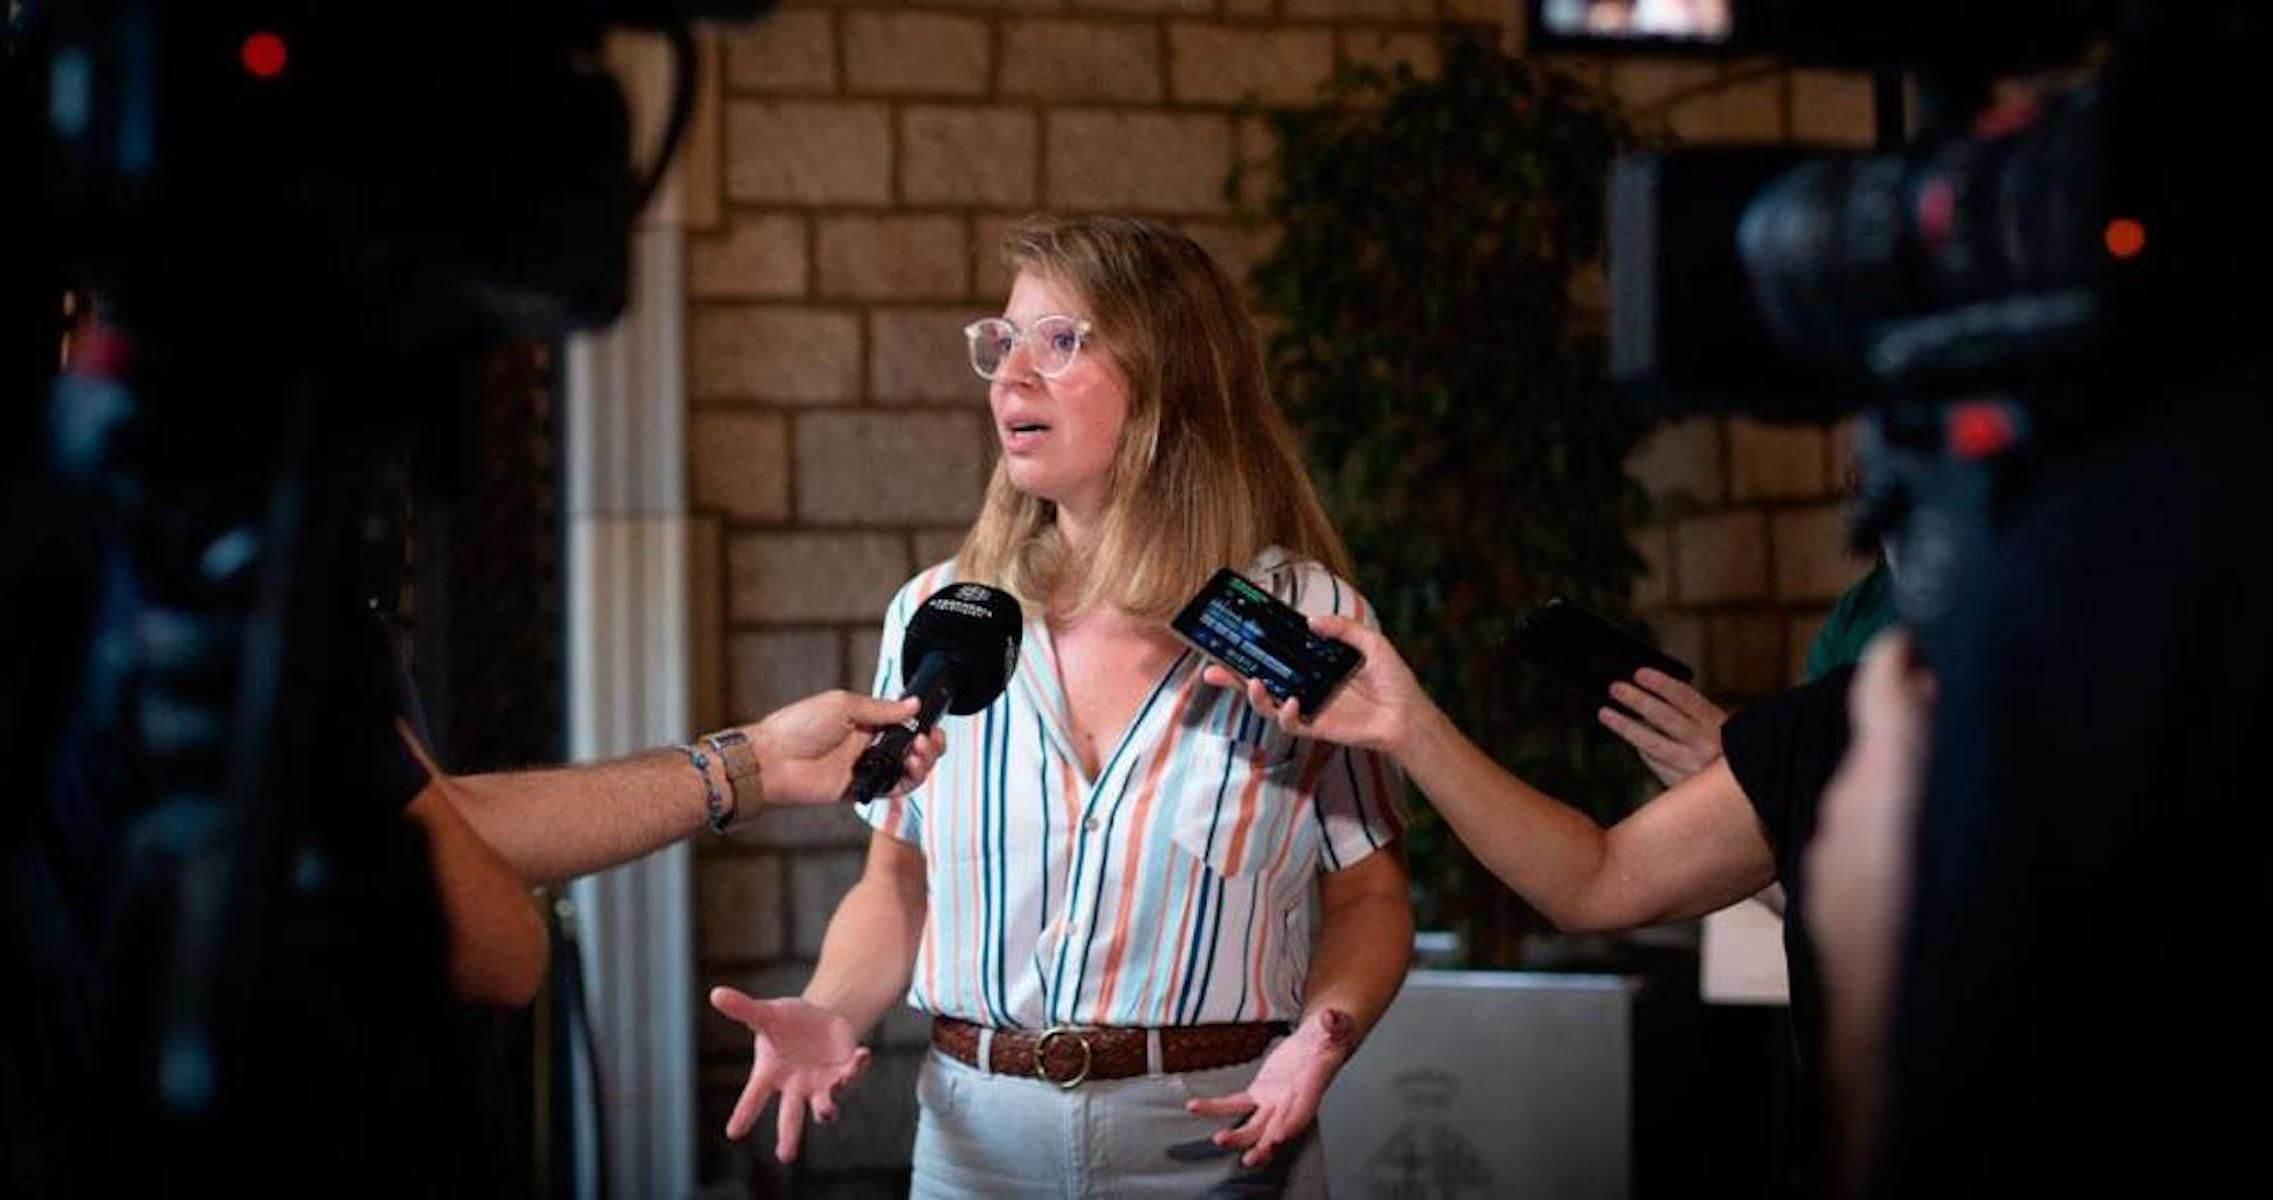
[
  {"x": 630, "y": 675},
  {"x": 629, "y": 689}
]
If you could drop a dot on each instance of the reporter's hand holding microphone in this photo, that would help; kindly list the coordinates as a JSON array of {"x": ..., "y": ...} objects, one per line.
[{"x": 809, "y": 748}]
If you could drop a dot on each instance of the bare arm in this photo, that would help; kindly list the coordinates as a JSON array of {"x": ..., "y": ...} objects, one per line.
[
  {"x": 1365, "y": 937},
  {"x": 1862, "y": 858},
  {"x": 806, "y": 1049},
  {"x": 869, "y": 953},
  {"x": 558, "y": 823},
  {"x": 561, "y": 822},
  {"x": 498, "y": 945},
  {"x": 1695, "y": 848}
]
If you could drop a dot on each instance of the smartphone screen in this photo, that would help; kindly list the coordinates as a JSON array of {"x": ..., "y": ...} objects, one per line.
[
  {"x": 1249, "y": 631},
  {"x": 1587, "y": 652}
]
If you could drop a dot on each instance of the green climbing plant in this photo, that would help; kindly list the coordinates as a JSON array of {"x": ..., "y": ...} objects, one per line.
[{"x": 1453, "y": 396}]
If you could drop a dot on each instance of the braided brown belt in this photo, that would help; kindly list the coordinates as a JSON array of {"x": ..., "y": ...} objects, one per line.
[{"x": 1067, "y": 1055}]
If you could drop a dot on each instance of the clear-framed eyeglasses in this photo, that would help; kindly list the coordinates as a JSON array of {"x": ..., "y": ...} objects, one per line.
[{"x": 1051, "y": 345}]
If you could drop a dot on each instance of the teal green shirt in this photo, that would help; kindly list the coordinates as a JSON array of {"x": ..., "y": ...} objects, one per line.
[{"x": 1865, "y": 608}]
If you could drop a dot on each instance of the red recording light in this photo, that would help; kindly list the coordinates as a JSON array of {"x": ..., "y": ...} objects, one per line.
[
  {"x": 264, "y": 55},
  {"x": 2126, "y": 238},
  {"x": 1981, "y": 430},
  {"x": 1937, "y": 212}
]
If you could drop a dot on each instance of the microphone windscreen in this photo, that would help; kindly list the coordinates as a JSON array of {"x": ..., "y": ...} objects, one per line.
[{"x": 976, "y": 627}]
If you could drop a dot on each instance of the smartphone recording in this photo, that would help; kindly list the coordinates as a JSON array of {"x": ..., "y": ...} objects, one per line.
[
  {"x": 1588, "y": 652},
  {"x": 1254, "y": 635}
]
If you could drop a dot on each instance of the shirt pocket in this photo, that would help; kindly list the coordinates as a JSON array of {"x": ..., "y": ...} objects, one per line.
[{"x": 1235, "y": 801}]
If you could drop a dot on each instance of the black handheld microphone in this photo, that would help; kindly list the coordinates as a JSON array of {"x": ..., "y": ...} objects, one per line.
[{"x": 959, "y": 651}]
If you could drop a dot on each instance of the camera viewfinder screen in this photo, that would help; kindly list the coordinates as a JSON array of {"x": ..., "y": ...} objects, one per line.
[{"x": 1704, "y": 21}]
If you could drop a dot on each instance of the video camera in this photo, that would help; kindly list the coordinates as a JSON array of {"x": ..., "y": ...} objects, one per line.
[
  {"x": 2011, "y": 267},
  {"x": 427, "y": 174},
  {"x": 2040, "y": 240},
  {"x": 250, "y": 251}
]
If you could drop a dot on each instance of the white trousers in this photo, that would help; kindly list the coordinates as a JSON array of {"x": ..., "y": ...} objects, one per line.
[{"x": 998, "y": 1136}]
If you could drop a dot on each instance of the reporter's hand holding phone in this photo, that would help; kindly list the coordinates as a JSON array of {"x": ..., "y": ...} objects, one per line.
[
  {"x": 1377, "y": 708},
  {"x": 1698, "y": 847},
  {"x": 1679, "y": 731}
]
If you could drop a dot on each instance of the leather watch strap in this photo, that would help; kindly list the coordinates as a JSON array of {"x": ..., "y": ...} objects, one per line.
[{"x": 744, "y": 780}]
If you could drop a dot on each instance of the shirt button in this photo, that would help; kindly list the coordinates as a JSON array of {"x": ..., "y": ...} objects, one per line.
[{"x": 1090, "y": 824}]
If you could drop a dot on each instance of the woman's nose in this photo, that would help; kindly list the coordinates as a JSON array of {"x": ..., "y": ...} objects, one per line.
[{"x": 1018, "y": 363}]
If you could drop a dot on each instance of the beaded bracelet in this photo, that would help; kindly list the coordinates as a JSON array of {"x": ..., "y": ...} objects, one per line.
[{"x": 715, "y": 809}]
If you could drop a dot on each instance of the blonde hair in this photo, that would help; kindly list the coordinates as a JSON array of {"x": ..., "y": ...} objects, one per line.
[{"x": 1206, "y": 474}]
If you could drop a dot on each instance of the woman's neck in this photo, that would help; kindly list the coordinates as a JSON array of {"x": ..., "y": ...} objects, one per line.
[
  {"x": 1101, "y": 617},
  {"x": 1076, "y": 536},
  {"x": 1077, "y": 527}
]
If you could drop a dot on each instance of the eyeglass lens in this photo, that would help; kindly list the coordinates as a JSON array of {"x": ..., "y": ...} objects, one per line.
[{"x": 1051, "y": 344}]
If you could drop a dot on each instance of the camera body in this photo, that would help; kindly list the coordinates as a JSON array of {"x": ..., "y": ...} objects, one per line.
[
  {"x": 280, "y": 238},
  {"x": 2051, "y": 248},
  {"x": 422, "y": 179},
  {"x": 2012, "y": 272}
]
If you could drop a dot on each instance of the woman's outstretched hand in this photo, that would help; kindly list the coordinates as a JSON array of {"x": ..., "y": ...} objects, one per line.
[
  {"x": 1283, "y": 1098},
  {"x": 801, "y": 1050}
]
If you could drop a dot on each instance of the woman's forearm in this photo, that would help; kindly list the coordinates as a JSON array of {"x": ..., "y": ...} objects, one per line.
[
  {"x": 1365, "y": 940},
  {"x": 869, "y": 952}
]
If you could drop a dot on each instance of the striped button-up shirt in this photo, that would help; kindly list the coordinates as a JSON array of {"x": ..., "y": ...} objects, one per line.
[{"x": 1179, "y": 887}]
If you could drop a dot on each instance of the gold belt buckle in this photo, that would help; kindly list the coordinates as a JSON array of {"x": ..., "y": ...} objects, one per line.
[{"x": 1042, "y": 1055}]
